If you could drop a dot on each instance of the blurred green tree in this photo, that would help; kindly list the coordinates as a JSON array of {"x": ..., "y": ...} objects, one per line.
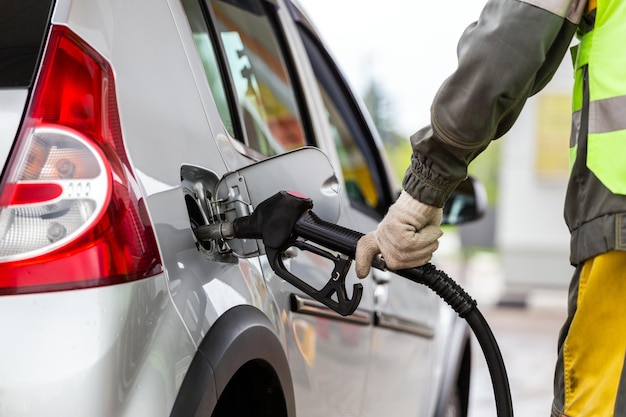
[{"x": 398, "y": 146}]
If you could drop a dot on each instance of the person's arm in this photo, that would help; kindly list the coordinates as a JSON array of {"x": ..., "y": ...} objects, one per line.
[{"x": 509, "y": 54}]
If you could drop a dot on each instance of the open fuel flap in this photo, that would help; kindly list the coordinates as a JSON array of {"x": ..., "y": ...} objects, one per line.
[{"x": 212, "y": 200}]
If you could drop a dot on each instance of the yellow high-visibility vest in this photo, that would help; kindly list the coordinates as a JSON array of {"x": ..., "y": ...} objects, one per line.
[{"x": 601, "y": 49}]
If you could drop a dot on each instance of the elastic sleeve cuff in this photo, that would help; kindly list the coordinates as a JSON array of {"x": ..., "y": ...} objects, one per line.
[{"x": 424, "y": 185}]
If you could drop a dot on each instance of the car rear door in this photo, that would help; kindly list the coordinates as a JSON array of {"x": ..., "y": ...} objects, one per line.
[{"x": 402, "y": 362}]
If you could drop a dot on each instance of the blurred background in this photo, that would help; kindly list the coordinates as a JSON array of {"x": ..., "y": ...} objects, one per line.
[{"x": 514, "y": 261}]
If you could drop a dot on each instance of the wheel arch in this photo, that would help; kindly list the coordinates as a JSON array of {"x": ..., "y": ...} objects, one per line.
[{"x": 241, "y": 336}]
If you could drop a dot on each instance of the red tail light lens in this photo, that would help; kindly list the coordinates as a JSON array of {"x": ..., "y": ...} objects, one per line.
[{"x": 71, "y": 215}]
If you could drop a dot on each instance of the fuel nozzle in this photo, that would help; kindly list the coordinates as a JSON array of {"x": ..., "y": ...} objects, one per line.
[
  {"x": 272, "y": 221},
  {"x": 215, "y": 231},
  {"x": 286, "y": 220}
]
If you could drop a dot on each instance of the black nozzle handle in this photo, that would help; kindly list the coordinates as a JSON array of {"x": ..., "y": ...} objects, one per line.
[{"x": 332, "y": 236}]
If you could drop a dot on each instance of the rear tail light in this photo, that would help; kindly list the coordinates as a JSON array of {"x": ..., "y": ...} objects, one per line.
[{"x": 71, "y": 214}]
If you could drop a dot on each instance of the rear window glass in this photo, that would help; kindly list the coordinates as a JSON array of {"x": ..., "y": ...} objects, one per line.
[
  {"x": 250, "y": 73},
  {"x": 23, "y": 28}
]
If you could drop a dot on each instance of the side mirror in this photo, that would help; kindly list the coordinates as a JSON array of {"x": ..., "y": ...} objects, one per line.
[{"x": 467, "y": 203}]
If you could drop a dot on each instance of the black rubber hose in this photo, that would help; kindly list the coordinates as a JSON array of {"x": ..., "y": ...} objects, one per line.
[
  {"x": 344, "y": 240},
  {"x": 452, "y": 293},
  {"x": 495, "y": 363}
]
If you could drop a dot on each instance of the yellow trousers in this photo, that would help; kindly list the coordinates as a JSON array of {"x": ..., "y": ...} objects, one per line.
[{"x": 590, "y": 378}]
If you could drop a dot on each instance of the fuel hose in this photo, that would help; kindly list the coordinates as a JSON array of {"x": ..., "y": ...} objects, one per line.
[
  {"x": 332, "y": 236},
  {"x": 284, "y": 219}
]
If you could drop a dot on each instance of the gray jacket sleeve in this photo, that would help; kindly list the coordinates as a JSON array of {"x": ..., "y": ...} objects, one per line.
[{"x": 509, "y": 54}]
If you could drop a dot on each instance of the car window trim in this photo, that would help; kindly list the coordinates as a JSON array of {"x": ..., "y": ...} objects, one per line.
[{"x": 241, "y": 145}]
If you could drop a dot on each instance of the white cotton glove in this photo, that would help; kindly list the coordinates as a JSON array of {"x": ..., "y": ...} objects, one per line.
[{"x": 406, "y": 237}]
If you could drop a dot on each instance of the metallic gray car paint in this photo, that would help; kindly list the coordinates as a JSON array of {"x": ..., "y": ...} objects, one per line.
[
  {"x": 124, "y": 350},
  {"x": 93, "y": 352}
]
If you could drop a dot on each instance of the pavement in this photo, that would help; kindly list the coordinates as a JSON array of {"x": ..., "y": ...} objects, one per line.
[{"x": 527, "y": 335}]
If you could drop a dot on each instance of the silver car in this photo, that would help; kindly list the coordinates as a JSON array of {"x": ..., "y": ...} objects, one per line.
[{"x": 125, "y": 126}]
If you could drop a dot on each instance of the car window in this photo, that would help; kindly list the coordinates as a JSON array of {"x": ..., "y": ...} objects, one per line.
[
  {"x": 362, "y": 168},
  {"x": 202, "y": 38},
  {"x": 357, "y": 176},
  {"x": 256, "y": 67}
]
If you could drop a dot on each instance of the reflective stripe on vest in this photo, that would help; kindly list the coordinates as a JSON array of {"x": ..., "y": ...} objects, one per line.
[
  {"x": 601, "y": 50},
  {"x": 571, "y": 10}
]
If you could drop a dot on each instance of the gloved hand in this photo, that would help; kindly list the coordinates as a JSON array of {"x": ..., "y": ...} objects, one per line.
[{"x": 406, "y": 237}]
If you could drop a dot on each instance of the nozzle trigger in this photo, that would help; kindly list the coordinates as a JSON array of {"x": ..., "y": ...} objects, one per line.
[{"x": 333, "y": 294}]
